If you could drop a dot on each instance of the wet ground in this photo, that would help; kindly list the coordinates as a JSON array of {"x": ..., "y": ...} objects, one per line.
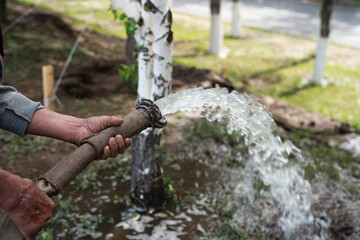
[
  {"x": 210, "y": 195},
  {"x": 197, "y": 184}
]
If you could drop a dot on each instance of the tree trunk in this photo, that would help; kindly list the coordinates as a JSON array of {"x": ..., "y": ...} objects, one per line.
[
  {"x": 163, "y": 38},
  {"x": 146, "y": 189},
  {"x": 142, "y": 190},
  {"x": 145, "y": 55},
  {"x": 116, "y": 4},
  {"x": 326, "y": 11},
  {"x": 130, "y": 50},
  {"x": 216, "y": 35},
  {"x": 236, "y": 19},
  {"x": 320, "y": 55},
  {"x": 147, "y": 183},
  {"x": 3, "y": 10},
  {"x": 144, "y": 193}
]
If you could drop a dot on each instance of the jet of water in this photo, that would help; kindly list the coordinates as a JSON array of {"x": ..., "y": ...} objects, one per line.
[{"x": 270, "y": 156}]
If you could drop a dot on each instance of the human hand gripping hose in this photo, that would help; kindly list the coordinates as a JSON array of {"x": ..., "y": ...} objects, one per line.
[{"x": 147, "y": 114}]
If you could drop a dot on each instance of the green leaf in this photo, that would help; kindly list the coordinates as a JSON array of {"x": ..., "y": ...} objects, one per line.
[
  {"x": 123, "y": 17},
  {"x": 115, "y": 13},
  {"x": 129, "y": 74}
]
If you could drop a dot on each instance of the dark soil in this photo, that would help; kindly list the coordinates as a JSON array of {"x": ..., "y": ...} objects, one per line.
[{"x": 56, "y": 24}]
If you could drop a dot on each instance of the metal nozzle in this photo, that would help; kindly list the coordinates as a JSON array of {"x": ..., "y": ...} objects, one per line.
[{"x": 152, "y": 111}]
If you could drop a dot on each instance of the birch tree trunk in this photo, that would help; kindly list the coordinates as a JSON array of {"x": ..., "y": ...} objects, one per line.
[
  {"x": 155, "y": 70},
  {"x": 143, "y": 191},
  {"x": 154, "y": 59},
  {"x": 116, "y": 4},
  {"x": 216, "y": 35},
  {"x": 162, "y": 56},
  {"x": 147, "y": 182},
  {"x": 320, "y": 56},
  {"x": 3, "y": 10},
  {"x": 145, "y": 54},
  {"x": 236, "y": 19}
]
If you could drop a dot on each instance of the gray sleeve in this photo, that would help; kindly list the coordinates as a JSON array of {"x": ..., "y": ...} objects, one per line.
[{"x": 16, "y": 110}]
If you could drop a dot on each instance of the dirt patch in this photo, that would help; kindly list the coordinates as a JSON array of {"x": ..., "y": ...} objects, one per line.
[
  {"x": 187, "y": 77},
  {"x": 95, "y": 76},
  {"x": 343, "y": 222},
  {"x": 293, "y": 117},
  {"x": 95, "y": 79},
  {"x": 49, "y": 23}
]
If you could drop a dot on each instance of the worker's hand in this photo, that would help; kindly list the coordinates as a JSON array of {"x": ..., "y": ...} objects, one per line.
[
  {"x": 94, "y": 125},
  {"x": 30, "y": 208}
]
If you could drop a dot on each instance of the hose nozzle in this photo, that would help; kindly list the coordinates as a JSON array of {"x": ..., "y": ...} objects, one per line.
[{"x": 152, "y": 111}]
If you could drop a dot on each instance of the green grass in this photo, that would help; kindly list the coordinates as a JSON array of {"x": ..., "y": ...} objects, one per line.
[{"x": 281, "y": 66}]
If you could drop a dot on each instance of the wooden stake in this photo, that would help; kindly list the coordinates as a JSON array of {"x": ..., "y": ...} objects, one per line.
[{"x": 48, "y": 87}]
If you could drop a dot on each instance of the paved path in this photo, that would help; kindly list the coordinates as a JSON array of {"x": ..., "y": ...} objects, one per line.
[{"x": 285, "y": 16}]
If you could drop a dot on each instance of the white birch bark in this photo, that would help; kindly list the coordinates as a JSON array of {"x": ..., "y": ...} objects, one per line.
[
  {"x": 320, "y": 59},
  {"x": 236, "y": 19},
  {"x": 145, "y": 65},
  {"x": 145, "y": 55},
  {"x": 131, "y": 8},
  {"x": 216, "y": 34},
  {"x": 216, "y": 37},
  {"x": 116, "y": 4},
  {"x": 162, "y": 55},
  {"x": 155, "y": 70}
]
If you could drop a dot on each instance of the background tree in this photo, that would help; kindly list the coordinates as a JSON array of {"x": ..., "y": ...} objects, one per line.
[
  {"x": 320, "y": 56},
  {"x": 153, "y": 38},
  {"x": 3, "y": 10},
  {"x": 236, "y": 19},
  {"x": 216, "y": 35}
]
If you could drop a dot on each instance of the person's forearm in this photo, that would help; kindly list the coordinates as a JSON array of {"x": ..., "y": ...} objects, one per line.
[
  {"x": 55, "y": 125},
  {"x": 74, "y": 130}
]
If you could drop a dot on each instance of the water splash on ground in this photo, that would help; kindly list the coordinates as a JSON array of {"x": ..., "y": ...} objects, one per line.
[{"x": 271, "y": 158}]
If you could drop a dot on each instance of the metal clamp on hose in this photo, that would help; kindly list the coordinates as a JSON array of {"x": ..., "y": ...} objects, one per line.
[{"x": 152, "y": 111}]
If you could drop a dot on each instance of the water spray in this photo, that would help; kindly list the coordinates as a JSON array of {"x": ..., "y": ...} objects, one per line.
[{"x": 147, "y": 114}]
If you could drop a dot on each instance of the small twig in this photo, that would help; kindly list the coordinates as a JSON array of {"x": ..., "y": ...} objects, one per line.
[{"x": 141, "y": 202}]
